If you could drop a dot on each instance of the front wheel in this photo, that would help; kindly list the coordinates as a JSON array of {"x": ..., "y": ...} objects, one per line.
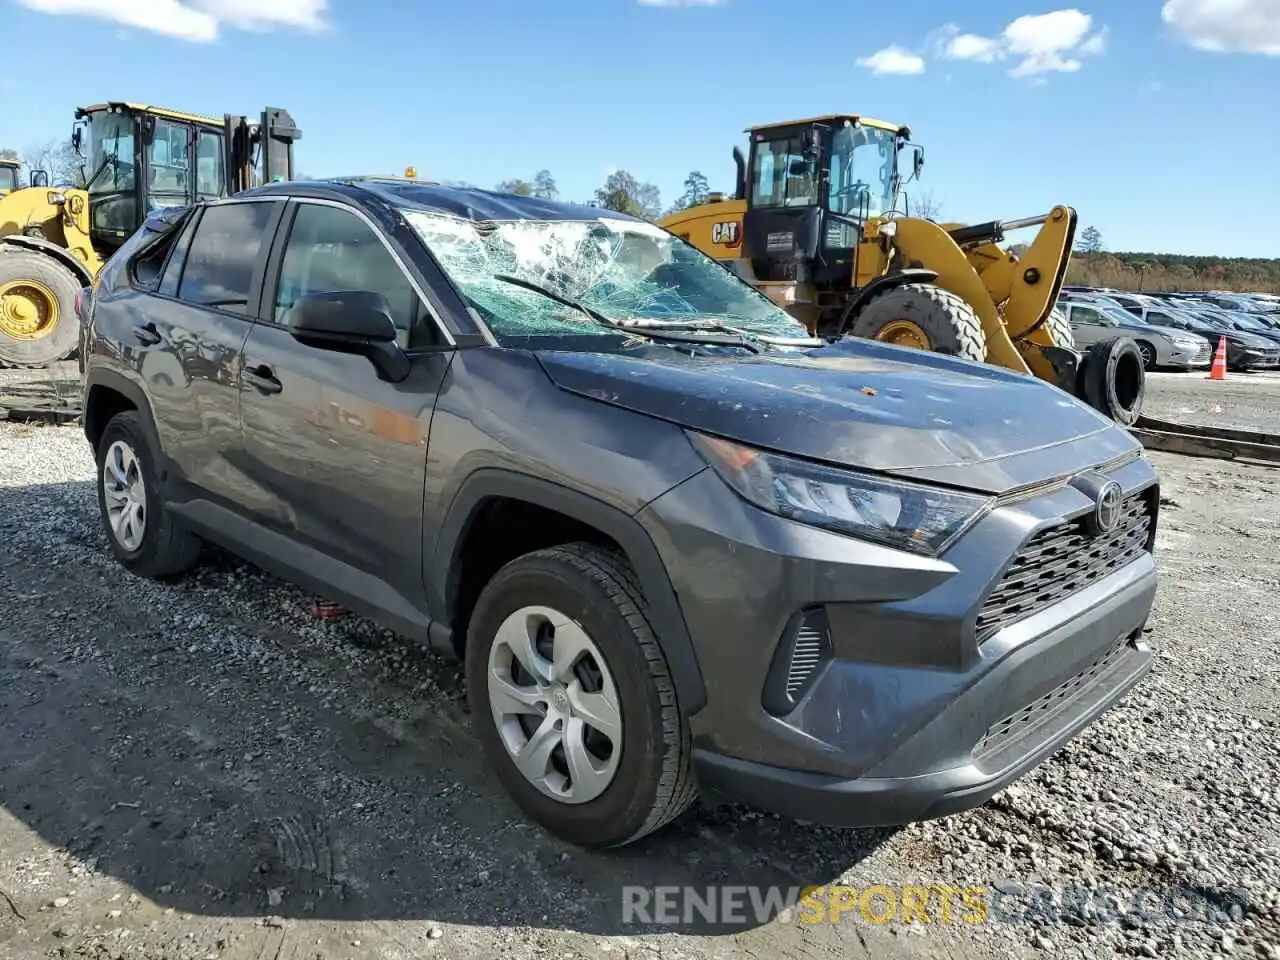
[
  {"x": 573, "y": 700},
  {"x": 925, "y": 317},
  {"x": 38, "y": 322}
]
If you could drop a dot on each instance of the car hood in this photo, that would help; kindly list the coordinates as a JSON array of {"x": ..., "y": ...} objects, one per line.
[
  {"x": 1239, "y": 337},
  {"x": 861, "y": 404}
]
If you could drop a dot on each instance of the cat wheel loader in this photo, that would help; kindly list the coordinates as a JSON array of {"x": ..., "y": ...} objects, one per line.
[
  {"x": 813, "y": 225},
  {"x": 55, "y": 239}
]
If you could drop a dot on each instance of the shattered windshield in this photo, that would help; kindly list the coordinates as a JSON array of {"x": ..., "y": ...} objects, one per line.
[{"x": 625, "y": 270}]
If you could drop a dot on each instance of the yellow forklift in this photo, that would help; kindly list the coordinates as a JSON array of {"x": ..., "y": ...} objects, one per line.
[
  {"x": 135, "y": 157},
  {"x": 814, "y": 225},
  {"x": 8, "y": 176}
]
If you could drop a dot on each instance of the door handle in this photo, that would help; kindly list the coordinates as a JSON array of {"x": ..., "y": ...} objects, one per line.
[
  {"x": 147, "y": 334},
  {"x": 263, "y": 380}
]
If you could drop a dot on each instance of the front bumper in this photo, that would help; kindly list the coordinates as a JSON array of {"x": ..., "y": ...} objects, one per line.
[
  {"x": 1191, "y": 357},
  {"x": 1058, "y": 703},
  {"x": 918, "y": 709}
]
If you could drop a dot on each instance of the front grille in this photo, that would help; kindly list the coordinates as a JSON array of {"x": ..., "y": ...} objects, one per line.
[
  {"x": 1062, "y": 560},
  {"x": 1025, "y": 720}
]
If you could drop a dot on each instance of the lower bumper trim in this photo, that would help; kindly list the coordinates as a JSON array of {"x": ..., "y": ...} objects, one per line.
[{"x": 883, "y": 802}]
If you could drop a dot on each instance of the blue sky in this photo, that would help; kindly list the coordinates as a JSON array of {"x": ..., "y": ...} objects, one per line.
[{"x": 1156, "y": 120}]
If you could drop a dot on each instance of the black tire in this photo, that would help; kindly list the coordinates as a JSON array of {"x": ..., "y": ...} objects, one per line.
[
  {"x": 1148, "y": 355},
  {"x": 167, "y": 549},
  {"x": 1060, "y": 329},
  {"x": 60, "y": 342},
  {"x": 1113, "y": 379},
  {"x": 947, "y": 320},
  {"x": 597, "y": 589}
]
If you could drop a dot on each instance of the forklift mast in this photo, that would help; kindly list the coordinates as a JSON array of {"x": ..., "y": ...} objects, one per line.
[{"x": 271, "y": 138}]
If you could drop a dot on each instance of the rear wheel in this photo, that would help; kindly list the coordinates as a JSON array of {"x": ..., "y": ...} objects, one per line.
[
  {"x": 143, "y": 535},
  {"x": 923, "y": 316},
  {"x": 38, "y": 322}
]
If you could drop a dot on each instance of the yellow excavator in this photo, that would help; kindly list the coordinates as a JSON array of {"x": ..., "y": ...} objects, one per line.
[
  {"x": 814, "y": 225},
  {"x": 54, "y": 238}
]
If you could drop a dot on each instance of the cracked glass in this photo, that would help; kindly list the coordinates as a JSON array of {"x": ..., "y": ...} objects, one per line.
[{"x": 625, "y": 270}]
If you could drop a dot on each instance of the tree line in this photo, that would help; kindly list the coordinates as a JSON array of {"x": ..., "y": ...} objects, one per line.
[{"x": 1093, "y": 265}]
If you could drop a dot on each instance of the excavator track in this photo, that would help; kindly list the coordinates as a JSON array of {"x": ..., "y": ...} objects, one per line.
[{"x": 1221, "y": 443}]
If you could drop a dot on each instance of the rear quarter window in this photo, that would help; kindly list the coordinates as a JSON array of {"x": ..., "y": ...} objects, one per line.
[{"x": 159, "y": 227}]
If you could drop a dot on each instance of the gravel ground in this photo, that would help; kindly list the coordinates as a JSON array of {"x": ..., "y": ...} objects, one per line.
[
  {"x": 205, "y": 770},
  {"x": 1249, "y": 401}
]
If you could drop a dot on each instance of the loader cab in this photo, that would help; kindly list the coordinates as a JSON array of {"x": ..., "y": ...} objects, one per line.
[
  {"x": 8, "y": 176},
  {"x": 811, "y": 186},
  {"x": 138, "y": 158}
]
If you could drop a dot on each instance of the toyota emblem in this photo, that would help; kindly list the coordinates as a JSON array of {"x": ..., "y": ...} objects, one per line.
[{"x": 1106, "y": 512}]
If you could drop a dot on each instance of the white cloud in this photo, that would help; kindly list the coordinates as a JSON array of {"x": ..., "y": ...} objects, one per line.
[
  {"x": 1226, "y": 26},
  {"x": 1040, "y": 43},
  {"x": 195, "y": 20},
  {"x": 893, "y": 60},
  {"x": 970, "y": 46}
]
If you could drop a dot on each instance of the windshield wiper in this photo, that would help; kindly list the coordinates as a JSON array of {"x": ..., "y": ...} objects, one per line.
[
  {"x": 655, "y": 330},
  {"x": 707, "y": 323}
]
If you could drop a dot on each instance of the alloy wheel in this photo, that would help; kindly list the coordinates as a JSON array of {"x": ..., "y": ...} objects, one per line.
[
  {"x": 555, "y": 704},
  {"x": 125, "y": 495}
]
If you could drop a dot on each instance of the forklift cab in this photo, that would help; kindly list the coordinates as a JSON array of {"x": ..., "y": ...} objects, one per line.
[
  {"x": 8, "y": 176},
  {"x": 139, "y": 158}
]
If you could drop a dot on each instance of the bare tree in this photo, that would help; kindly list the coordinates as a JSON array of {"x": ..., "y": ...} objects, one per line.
[
  {"x": 57, "y": 158},
  {"x": 926, "y": 206}
]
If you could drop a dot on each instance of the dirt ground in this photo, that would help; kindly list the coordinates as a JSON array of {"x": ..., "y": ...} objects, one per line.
[{"x": 204, "y": 770}]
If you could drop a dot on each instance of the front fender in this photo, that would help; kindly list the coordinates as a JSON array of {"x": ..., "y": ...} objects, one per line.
[{"x": 664, "y": 609}]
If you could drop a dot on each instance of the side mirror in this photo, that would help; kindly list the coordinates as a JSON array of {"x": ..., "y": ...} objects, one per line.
[
  {"x": 39, "y": 178},
  {"x": 350, "y": 321},
  {"x": 917, "y": 163}
]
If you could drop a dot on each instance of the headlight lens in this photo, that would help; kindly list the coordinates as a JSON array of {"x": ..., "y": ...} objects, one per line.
[{"x": 908, "y": 516}]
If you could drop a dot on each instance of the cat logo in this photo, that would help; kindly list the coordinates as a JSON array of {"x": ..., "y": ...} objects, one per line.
[{"x": 728, "y": 234}]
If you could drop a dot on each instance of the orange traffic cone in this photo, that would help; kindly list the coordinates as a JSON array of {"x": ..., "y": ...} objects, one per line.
[{"x": 1219, "y": 369}]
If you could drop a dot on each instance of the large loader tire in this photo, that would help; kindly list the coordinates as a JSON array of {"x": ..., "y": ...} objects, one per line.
[
  {"x": 1059, "y": 328},
  {"x": 1113, "y": 379},
  {"x": 38, "y": 322},
  {"x": 925, "y": 317}
]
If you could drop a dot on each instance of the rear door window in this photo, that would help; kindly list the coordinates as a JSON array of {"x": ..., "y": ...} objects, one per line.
[{"x": 223, "y": 264}]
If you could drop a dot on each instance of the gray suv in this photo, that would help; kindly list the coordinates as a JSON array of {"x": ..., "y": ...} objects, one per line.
[
  {"x": 1097, "y": 319},
  {"x": 681, "y": 548}
]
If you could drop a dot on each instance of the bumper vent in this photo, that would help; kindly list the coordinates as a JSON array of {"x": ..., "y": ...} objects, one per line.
[
  {"x": 1047, "y": 707},
  {"x": 1062, "y": 560},
  {"x": 804, "y": 648}
]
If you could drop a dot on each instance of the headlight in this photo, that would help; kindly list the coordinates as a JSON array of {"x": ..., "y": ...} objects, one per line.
[{"x": 907, "y": 516}]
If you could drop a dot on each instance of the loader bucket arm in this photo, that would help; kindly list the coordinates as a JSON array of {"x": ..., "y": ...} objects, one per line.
[
  {"x": 925, "y": 243},
  {"x": 1027, "y": 285}
]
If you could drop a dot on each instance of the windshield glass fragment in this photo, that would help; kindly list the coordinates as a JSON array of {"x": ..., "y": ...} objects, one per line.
[{"x": 625, "y": 270}]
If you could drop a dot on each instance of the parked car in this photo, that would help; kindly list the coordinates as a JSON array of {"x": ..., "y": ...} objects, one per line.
[
  {"x": 679, "y": 546},
  {"x": 1245, "y": 351},
  {"x": 1094, "y": 320}
]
